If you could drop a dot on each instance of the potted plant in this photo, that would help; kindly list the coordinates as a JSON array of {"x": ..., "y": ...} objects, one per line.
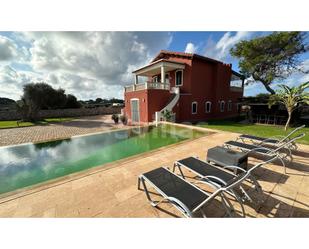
[
  {"x": 167, "y": 115},
  {"x": 115, "y": 118},
  {"x": 124, "y": 119}
]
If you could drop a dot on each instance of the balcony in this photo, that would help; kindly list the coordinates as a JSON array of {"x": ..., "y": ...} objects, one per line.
[
  {"x": 147, "y": 85},
  {"x": 158, "y": 68},
  {"x": 236, "y": 83}
]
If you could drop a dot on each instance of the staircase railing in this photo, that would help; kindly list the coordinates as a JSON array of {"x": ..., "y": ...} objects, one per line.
[{"x": 170, "y": 105}]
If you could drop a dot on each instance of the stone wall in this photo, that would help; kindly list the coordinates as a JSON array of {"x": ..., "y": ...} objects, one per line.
[{"x": 13, "y": 115}]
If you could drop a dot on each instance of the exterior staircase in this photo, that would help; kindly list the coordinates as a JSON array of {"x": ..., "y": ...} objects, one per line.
[{"x": 175, "y": 95}]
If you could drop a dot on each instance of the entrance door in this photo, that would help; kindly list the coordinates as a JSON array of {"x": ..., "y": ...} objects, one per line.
[{"x": 135, "y": 110}]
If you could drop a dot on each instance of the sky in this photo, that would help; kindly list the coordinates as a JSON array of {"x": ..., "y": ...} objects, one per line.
[{"x": 99, "y": 64}]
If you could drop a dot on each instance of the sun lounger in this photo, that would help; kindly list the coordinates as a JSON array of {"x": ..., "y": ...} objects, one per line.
[
  {"x": 274, "y": 140},
  {"x": 283, "y": 151},
  {"x": 220, "y": 177},
  {"x": 186, "y": 197}
]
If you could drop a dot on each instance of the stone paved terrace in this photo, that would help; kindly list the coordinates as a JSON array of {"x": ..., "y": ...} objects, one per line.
[
  {"x": 56, "y": 131},
  {"x": 111, "y": 190}
]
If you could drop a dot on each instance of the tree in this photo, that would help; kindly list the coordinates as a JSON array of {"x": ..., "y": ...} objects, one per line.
[
  {"x": 39, "y": 96},
  {"x": 34, "y": 98},
  {"x": 291, "y": 98},
  {"x": 7, "y": 101},
  {"x": 269, "y": 58},
  {"x": 98, "y": 100},
  {"x": 72, "y": 102},
  {"x": 114, "y": 100},
  {"x": 55, "y": 99}
]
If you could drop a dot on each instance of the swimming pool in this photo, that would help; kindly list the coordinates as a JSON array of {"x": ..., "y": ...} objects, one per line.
[{"x": 28, "y": 164}]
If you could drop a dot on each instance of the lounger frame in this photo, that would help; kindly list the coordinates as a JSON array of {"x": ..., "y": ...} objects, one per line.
[
  {"x": 210, "y": 179},
  {"x": 181, "y": 206},
  {"x": 272, "y": 151},
  {"x": 280, "y": 139}
]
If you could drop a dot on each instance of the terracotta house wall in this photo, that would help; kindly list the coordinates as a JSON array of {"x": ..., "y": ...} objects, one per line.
[
  {"x": 143, "y": 104},
  {"x": 160, "y": 97},
  {"x": 147, "y": 107},
  {"x": 202, "y": 78},
  {"x": 224, "y": 92}
]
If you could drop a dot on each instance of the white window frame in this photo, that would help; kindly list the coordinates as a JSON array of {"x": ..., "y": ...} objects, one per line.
[
  {"x": 206, "y": 110},
  {"x": 230, "y": 105},
  {"x": 222, "y": 102},
  {"x": 194, "y": 102},
  {"x": 181, "y": 77}
]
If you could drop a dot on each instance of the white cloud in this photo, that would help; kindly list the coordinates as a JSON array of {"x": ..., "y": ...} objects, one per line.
[
  {"x": 220, "y": 50},
  {"x": 12, "y": 81},
  {"x": 190, "y": 48},
  {"x": 91, "y": 64},
  {"x": 8, "y": 49}
]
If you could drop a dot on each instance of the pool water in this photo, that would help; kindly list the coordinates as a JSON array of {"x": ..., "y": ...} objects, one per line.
[{"x": 29, "y": 164}]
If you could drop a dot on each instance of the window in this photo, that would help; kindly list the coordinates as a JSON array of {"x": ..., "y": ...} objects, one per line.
[
  {"x": 229, "y": 105},
  {"x": 167, "y": 78},
  {"x": 178, "y": 78},
  {"x": 194, "y": 107},
  {"x": 208, "y": 107},
  {"x": 222, "y": 106}
]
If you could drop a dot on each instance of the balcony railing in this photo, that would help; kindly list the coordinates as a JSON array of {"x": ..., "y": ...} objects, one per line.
[
  {"x": 147, "y": 85},
  {"x": 236, "y": 89}
]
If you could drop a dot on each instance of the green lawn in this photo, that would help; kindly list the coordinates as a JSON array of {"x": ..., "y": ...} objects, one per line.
[
  {"x": 14, "y": 123},
  {"x": 54, "y": 120},
  {"x": 253, "y": 129}
]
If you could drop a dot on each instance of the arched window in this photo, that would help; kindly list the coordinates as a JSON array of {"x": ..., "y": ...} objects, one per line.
[
  {"x": 194, "y": 108},
  {"x": 208, "y": 107},
  {"x": 229, "y": 105},
  {"x": 178, "y": 78},
  {"x": 222, "y": 106}
]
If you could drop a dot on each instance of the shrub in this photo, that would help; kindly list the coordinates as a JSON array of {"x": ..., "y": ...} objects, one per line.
[
  {"x": 115, "y": 118},
  {"x": 124, "y": 119},
  {"x": 167, "y": 115}
]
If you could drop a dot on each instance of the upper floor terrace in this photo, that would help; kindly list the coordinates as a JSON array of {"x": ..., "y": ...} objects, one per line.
[{"x": 157, "y": 74}]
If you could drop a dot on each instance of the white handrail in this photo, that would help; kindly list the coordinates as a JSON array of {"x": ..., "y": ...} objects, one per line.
[
  {"x": 147, "y": 85},
  {"x": 170, "y": 105}
]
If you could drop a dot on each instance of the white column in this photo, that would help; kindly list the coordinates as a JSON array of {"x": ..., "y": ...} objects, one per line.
[
  {"x": 135, "y": 79},
  {"x": 162, "y": 74}
]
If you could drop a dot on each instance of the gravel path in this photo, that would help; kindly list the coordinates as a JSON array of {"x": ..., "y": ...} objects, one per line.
[{"x": 57, "y": 130}]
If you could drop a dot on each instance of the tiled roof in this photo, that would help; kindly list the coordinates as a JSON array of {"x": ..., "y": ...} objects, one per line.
[
  {"x": 182, "y": 54},
  {"x": 191, "y": 56}
]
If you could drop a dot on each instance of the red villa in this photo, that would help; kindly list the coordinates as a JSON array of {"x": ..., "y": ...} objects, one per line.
[{"x": 194, "y": 87}]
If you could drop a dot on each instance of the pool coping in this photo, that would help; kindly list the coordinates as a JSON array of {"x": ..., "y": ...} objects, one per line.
[{"x": 15, "y": 194}]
